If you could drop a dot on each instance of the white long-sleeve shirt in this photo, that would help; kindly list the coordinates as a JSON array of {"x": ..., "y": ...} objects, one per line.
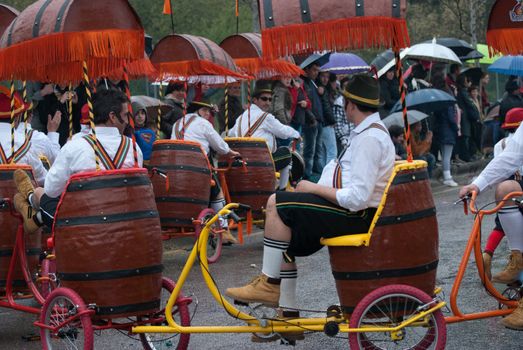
[
  {"x": 200, "y": 130},
  {"x": 366, "y": 166},
  {"x": 46, "y": 145},
  {"x": 503, "y": 166},
  {"x": 77, "y": 156},
  {"x": 30, "y": 158},
  {"x": 268, "y": 130}
]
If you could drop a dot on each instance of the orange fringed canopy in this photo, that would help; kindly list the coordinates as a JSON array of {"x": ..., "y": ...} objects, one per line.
[
  {"x": 505, "y": 28},
  {"x": 141, "y": 68},
  {"x": 305, "y": 26},
  {"x": 51, "y": 39}
]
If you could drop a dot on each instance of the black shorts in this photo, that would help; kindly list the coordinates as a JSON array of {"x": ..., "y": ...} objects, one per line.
[
  {"x": 311, "y": 218},
  {"x": 48, "y": 209}
]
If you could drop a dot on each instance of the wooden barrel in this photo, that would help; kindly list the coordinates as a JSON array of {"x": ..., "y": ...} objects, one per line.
[
  {"x": 403, "y": 248},
  {"x": 253, "y": 184},
  {"x": 7, "y": 15},
  {"x": 189, "y": 174},
  {"x": 9, "y": 226},
  {"x": 108, "y": 242}
]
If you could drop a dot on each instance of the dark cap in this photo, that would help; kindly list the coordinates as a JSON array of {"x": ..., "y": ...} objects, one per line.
[{"x": 363, "y": 90}]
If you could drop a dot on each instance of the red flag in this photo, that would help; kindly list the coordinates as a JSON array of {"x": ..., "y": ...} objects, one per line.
[{"x": 167, "y": 7}]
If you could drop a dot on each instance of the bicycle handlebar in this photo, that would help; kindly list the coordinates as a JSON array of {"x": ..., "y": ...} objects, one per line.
[{"x": 474, "y": 195}]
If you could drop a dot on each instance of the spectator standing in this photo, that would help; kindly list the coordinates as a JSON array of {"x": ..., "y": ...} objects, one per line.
[
  {"x": 300, "y": 108},
  {"x": 389, "y": 92},
  {"x": 235, "y": 107},
  {"x": 327, "y": 150},
  {"x": 483, "y": 83},
  {"x": 145, "y": 136},
  {"x": 342, "y": 128},
  {"x": 512, "y": 99},
  {"x": 469, "y": 116},
  {"x": 175, "y": 95},
  {"x": 452, "y": 77},
  {"x": 477, "y": 127},
  {"x": 419, "y": 74}
]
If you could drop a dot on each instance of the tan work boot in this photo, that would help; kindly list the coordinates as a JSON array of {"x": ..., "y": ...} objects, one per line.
[
  {"x": 282, "y": 315},
  {"x": 228, "y": 238},
  {"x": 23, "y": 183},
  {"x": 515, "y": 319},
  {"x": 487, "y": 265},
  {"x": 259, "y": 290},
  {"x": 511, "y": 272},
  {"x": 22, "y": 206}
]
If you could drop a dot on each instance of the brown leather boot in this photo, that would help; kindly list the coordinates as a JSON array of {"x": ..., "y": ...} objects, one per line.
[
  {"x": 259, "y": 290},
  {"x": 228, "y": 238},
  {"x": 511, "y": 272},
  {"x": 23, "y": 183},
  {"x": 22, "y": 206},
  {"x": 515, "y": 319},
  {"x": 487, "y": 265}
]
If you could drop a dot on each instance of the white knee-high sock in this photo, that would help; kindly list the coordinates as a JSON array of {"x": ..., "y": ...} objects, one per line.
[
  {"x": 217, "y": 205},
  {"x": 288, "y": 288},
  {"x": 273, "y": 256},
  {"x": 512, "y": 222},
  {"x": 284, "y": 177}
]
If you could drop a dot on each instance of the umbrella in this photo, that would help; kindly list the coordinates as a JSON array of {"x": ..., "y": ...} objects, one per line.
[
  {"x": 319, "y": 59},
  {"x": 432, "y": 52},
  {"x": 460, "y": 47},
  {"x": 397, "y": 118},
  {"x": 426, "y": 100},
  {"x": 345, "y": 63},
  {"x": 483, "y": 49},
  {"x": 382, "y": 59},
  {"x": 390, "y": 64},
  {"x": 150, "y": 104},
  {"x": 508, "y": 65},
  {"x": 472, "y": 55},
  {"x": 474, "y": 73}
]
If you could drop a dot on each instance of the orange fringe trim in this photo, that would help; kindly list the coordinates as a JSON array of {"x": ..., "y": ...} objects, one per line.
[
  {"x": 136, "y": 70},
  {"x": 506, "y": 41},
  {"x": 59, "y": 49},
  {"x": 196, "y": 67},
  {"x": 268, "y": 69},
  {"x": 335, "y": 35}
]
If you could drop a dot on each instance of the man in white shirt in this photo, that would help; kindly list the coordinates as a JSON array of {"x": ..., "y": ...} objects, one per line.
[
  {"x": 510, "y": 216},
  {"x": 343, "y": 202},
  {"x": 258, "y": 122},
  {"x": 195, "y": 126},
  {"x": 115, "y": 151}
]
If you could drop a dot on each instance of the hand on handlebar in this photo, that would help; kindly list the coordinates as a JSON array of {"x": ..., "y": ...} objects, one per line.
[
  {"x": 234, "y": 154},
  {"x": 468, "y": 190}
]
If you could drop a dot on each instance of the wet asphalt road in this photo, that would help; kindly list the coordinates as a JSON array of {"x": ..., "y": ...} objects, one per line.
[{"x": 316, "y": 291}]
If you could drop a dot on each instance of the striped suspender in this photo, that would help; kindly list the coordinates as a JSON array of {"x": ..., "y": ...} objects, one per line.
[
  {"x": 178, "y": 132},
  {"x": 256, "y": 125},
  {"x": 119, "y": 157},
  {"x": 19, "y": 153}
]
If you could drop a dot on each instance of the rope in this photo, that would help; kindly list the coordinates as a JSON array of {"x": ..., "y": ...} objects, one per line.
[
  {"x": 159, "y": 119},
  {"x": 91, "y": 114},
  {"x": 184, "y": 107},
  {"x": 249, "y": 103},
  {"x": 12, "y": 121},
  {"x": 24, "y": 100},
  {"x": 131, "y": 120},
  {"x": 403, "y": 93},
  {"x": 226, "y": 109},
  {"x": 70, "y": 111}
]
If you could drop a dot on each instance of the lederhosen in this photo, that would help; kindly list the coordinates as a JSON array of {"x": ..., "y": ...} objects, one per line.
[
  {"x": 282, "y": 156},
  {"x": 312, "y": 217},
  {"x": 48, "y": 204},
  {"x": 179, "y": 134}
]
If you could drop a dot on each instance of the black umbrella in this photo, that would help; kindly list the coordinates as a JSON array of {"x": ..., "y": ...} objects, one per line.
[
  {"x": 460, "y": 47},
  {"x": 473, "y": 55},
  {"x": 382, "y": 59},
  {"x": 426, "y": 101},
  {"x": 474, "y": 74},
  {"x": 319, "y": 59}
]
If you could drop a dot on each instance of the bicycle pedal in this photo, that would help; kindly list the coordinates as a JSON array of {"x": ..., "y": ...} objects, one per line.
[
  {"x": 515, "y": 284},
  {"x": 241, "y": 303},
  {"x": 287, "y": 342}
]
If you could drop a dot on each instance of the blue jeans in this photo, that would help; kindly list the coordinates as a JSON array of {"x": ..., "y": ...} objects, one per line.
[
  {"x": 431, "y": 161},
  {"x": 328, "y": 149},
  {"x": 311, "y": 138}
]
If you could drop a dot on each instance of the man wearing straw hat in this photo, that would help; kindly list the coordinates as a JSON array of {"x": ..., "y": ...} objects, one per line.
[
  {"x": 343, "y": 202},
  {"x": 115, "y": 151}
]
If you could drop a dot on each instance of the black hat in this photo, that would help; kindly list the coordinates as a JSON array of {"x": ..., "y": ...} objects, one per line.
[
  {"x": 511, "y": 85},
  {"x": 363, "y": 90},
  {"x": 197, "y": 104},
  {"x": 262, "y": 88}
]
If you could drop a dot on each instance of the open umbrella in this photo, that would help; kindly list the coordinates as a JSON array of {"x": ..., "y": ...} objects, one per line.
[
  {"x": 508, "y": 65},
  {"x": 474, "y": 73},
  {"x": 472, "y": 55},
  {"x": 432, "y": 52},
  {"x": 397, "y": 118},
  {"x": 426, "y": 100},
  {"x": 319, "y": 59},
  {"x": 345, "y": 63},
  {"x": 150, "y": 104},
  {"x": 460, "y": 47}
]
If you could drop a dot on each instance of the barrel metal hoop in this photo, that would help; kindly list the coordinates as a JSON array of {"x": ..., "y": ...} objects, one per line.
[
  {"x": 396, "y": 8},
  {"x": 188, "y": 200},
  {"x": 130, "y": 308},
  {"x": 268, "y": 12},
  {"x": 305, "y": 11},
  {"x": 38, "y": 18},
  {"x": 380, "y": 274},
  {"x": 196, "y": 47},
  {"x": 10, "y": 32},
  {"x": 109, "y": 275},
  {"x": 190, "y": 168},
  {"x": 60, "y": 17},
  {"x": 249, "y": 165},
  {"x": 28, "y": 252},
  {"x": 398, "y": 219},
  {"x": 107, "y": 219},
  {"x": 410, "y": 177},
  {"x": 101, "y": 183},
  {"x": 175, "y": 221},
  {"x": 177, "y": 146},
  {"x": 204, "y": 42},
  {"x": 251, "y": 193},
  {"x": 360, "y": 11},
  {"x": 247, "y": 145}
]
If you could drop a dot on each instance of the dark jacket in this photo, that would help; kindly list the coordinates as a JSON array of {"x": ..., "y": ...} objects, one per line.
[
  {"x": 445, "y": 126},
  {"x": 312, "y": 92},
  {"x": 234, "y": 111},
  {"x": 389, "y": 94},
  {"x": 281, "y": 103},
  {"x": 170, "y": 118},
  {"x": 470, "y": 113},
  {"x": 328, "y": 116},
  {"x": 509, "y": 101}
]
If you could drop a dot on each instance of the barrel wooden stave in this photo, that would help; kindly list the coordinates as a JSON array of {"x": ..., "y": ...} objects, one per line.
[
  {"x": 109, "y": 248},
  {"x": 244, "y": 45},
  {"x": 403, "y": 251}
]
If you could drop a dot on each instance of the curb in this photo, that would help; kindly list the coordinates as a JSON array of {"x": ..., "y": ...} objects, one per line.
[{"x": 463, "y": 168}]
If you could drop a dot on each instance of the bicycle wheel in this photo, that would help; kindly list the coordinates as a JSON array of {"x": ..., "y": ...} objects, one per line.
[
  {"x": 389, "y": 306},
  {"x": 157, "y": 341},
  {"x": 61, "y": 305},
  {"x": 214, "y": 242}
]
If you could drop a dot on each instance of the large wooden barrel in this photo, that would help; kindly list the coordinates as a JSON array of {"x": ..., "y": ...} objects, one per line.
[
  {"x": 189, "y": 174},
  {"x": 7, "y": 15},
  {"x": 253, "y": 184},
  {"x": 404, "y": 245},
  {"x": 108, "y": 242},
  {"x": 9, "y": 226}
]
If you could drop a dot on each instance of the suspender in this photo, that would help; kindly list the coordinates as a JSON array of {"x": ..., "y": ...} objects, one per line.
[
  {"x": 254, "y": 127},
  {"x": 19, "y": 153},
  {"x": 119, "y": 157},
  {"x": 179, "y": 133},
  {"x": 337, "y": 176}
]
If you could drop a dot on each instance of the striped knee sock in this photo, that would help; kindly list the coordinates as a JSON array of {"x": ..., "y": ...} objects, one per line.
[
  {"x": 273, "y": 256},
  {"x": 217, "y": 205},
  {"x": 288, "y": 288},
  {"x": 512, "y": 222}
]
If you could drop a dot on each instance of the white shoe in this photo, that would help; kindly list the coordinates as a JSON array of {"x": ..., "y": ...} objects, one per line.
[{"x": 450, "y": 183}]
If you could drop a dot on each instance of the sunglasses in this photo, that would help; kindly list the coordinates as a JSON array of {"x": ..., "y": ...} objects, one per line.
[{"x": 265, "y": 99}]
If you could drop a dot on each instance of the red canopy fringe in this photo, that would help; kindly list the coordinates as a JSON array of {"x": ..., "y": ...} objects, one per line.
[
  {"x": 267, "y": 69},
  {"x": 136, "y": 70},
  {"x": 335, "y": 35},
  {"x": 58, "y": 50},
  {"x": 194, "y": 68},
  {"x": 506, "y": 41}
]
